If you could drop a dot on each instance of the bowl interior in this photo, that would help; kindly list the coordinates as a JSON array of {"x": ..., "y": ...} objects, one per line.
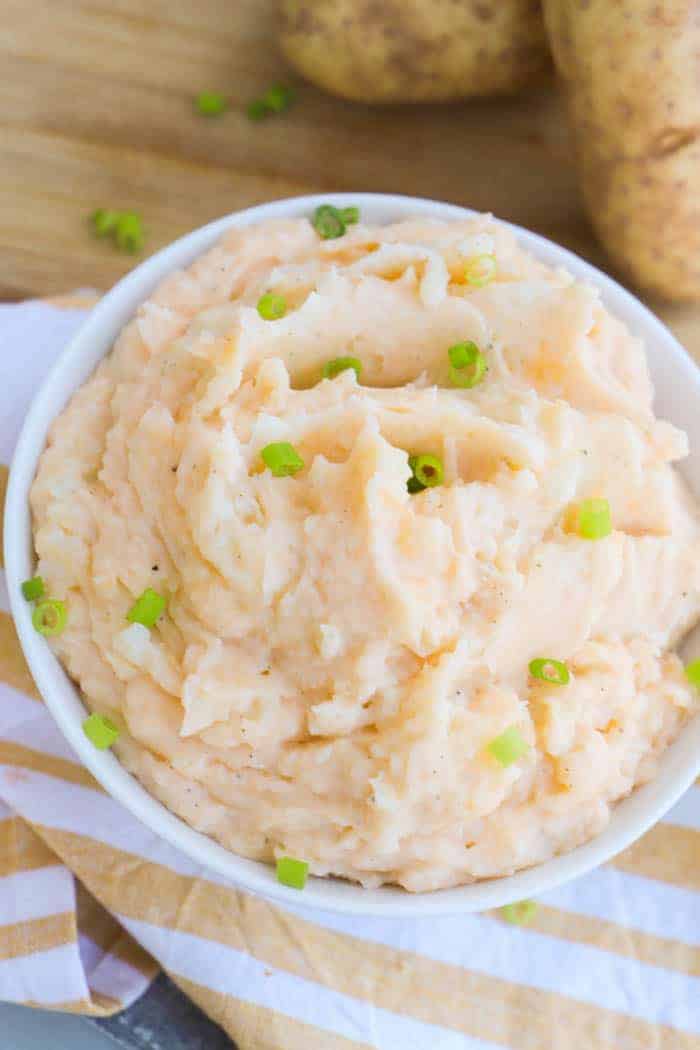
[{"x": 677, "y": 383}]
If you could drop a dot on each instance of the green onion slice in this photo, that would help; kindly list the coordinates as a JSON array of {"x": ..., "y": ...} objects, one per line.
[
  {"x": 552, "y": 671},
  {"x": 147, "y": 608},
  {"x": 50, "y": 617},
  {"x": 414, "y": 485},
  {"x": 211, "y": 103},
  {"x": 480, "y": 270},
  {"x": 282, "y": 459},
  {"x": 104, "y": 221},
  {"x": 333, "y": 368},
  {"x": 467, "y": 364},
  {"x": 278, "y": 98},
  {"x": 520, "y": 913},
  {"x": 328, "y": 222},
  {"x": 508, "y": 747},
  {"x": 129, "y": 232},
  {"x": 33, "y": 589},
  {"x": 257, "y": 110},
  {"x": 350, "y": 215},
  {"x": 427, "y": 470},
  {"x": 100, "y": 731},
  {"x": 291, "y": 872},
  {"x": 275, "y": 100},
  {"x": 271, "y": 307},
  {"x": 692, "y": 673},
  {"x": 594, "y": 519}
]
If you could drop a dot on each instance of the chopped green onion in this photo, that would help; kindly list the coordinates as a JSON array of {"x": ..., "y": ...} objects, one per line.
[
  {"x": 552, "y": 671},
  {"x": 147, "y": 608},
  {"x": 480, "y": 270},
  {"x": 125, "y": 227},
  {"x": 520, "y": 913},
  {"x": 129, "y": 232},
  {"x": 508, "y": 747},
  {"x": 49, "y": 617},
  {"x": 328, "y": 222},
  {"x": 104, "y": 221},
  {"x": 413, "y": 485},
  {"x": 692, "y": 673},
  {"x": 333, "y": 368},
  {"x": 100, "y": 731},
  {"x": 271, "y": 307},
  {"x": 257, "y": 110},
  {"x": 275, "y": 100},
  {"x": 594, "y": 519},
  {"x": 278, "y": 98},
  {"x": 350, "y": 215},
  {"x": 33, "y": 589},
  {"x": 427, "y": 470},
  {"x": 282, "y": 459},
  {"x": 467, "y": 364},
  {"x": 211, "y": 103},
  {"x": 291, "y": 872}
]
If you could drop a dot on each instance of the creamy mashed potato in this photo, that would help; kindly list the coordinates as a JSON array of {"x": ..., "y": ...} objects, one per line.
[{"x": 338, "y": 654}]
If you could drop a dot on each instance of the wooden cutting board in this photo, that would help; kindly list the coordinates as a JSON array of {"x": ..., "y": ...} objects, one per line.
[{"x": 97, "y": 111}]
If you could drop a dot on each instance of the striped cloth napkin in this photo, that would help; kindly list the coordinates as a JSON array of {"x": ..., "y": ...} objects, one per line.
[{"x": 89, "y": 899}]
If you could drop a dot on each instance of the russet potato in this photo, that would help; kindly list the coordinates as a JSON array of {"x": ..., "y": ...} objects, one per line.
[
  {"x": 631, "y": 73},
  {"x": 415, "y": 50}
]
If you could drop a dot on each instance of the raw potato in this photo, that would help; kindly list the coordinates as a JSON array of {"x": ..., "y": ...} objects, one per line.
[
  {"x": 631, "y": 68},
  {"x": 415, "y": 50}
]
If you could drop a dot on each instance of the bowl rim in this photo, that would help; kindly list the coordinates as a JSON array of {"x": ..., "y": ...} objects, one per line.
[{"x": 631, "y": 817}]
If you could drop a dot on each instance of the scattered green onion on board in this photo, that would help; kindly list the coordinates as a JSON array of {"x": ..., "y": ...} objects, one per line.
[
  {"x": 129, "y": 233},
  {"x": 275, "y": 100},
  {"x": 33, "y": 589},
  {"x": 508, "y": 747},
  {"x": 333, "y": 368},
  {"x": 278, "y": 98},
  {"x": 480, "y": 270},
  {"x": 124, "y": 227},
  {"x": 211, "y": 103},
  {"x": 467, "y": 364},
  {"x": 519, "y": 913},
  {"x": 147, "y": 608},
  {"x": 49, "y": 617},
  {"x": 554, "y": 672},
  {"x": 272, "y": 307},
  {"x": 692, "y": 673},
  {"x": 594, "y": 519},
  {"x": 100, "y": 731},
  {"x": 282, "y": 459},
  {"x": 291, "y": 872},
  {"x": 104, "y": 221},
  {"x": 257, "y": 110}
]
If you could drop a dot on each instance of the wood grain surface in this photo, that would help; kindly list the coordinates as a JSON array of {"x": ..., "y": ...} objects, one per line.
[{"x": 98, "y": 111}]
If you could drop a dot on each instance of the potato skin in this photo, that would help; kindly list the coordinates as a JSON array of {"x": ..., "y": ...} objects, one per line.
[
  {"x": 415, "y": 50},
  {"x": 631, "y": 68}
]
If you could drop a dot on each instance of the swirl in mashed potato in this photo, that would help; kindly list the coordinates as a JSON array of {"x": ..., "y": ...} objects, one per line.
[{"x": 338, "y": 653}]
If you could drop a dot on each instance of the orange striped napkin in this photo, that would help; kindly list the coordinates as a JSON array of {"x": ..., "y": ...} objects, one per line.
[{"x": 89, "y": 899}]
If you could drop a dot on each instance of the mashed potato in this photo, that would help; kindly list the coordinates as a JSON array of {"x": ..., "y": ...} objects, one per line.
[{"x": 337, "y": 653}]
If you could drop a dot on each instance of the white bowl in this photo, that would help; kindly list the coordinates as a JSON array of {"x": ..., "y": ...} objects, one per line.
[{"x": 677, "y": 382}]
